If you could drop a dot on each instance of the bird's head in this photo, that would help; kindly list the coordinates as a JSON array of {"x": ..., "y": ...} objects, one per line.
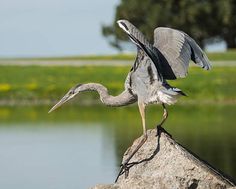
[{"x": 69, "y": 95}]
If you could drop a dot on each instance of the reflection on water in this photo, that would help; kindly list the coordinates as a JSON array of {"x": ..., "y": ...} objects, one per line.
[{"x": 77, "y": 147}]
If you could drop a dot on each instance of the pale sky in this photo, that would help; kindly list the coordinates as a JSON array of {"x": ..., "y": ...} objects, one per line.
[
  {"x": 37, "y": 28},
  {"x": 54, "y": 27}
]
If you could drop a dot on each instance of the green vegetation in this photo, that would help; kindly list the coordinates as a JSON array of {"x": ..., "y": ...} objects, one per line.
[
  {"x": 229, "y": 55},
  {"x": 35, "y": 83},
  {"x": 43, "y": 83},
  {"x": 203, "y": 20}
]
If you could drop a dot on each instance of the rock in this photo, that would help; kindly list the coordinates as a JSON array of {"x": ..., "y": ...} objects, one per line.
[{"x": 163, "y": 163}]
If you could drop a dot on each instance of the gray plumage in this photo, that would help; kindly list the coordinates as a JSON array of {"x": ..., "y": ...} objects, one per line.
[
  {"x": 178, "y": 49},
  {"x": 171, "y": 52},
  {"x": 167, "y": 59}
]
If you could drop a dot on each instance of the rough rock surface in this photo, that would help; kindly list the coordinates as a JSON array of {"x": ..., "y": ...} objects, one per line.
[{"x": 163, "y": 163}]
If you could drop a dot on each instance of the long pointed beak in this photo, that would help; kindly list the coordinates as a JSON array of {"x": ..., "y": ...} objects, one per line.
[{"x": 62, "y": 101}]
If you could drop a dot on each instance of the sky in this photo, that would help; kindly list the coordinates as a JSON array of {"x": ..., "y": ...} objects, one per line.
[
  {"x": 31, "y": 28},
  {"x": 47, "y": 28}
]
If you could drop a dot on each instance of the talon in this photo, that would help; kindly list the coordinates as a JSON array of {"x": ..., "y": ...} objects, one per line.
[
  {"x": 125, "y": 166},
  {"x": 123, "y": 169},
  {"x": 126, "y": 172}
]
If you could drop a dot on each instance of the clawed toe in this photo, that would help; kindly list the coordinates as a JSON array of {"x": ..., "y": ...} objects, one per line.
[
  {"x": 126, "y": 165},
  {"x": 124, "y": 168}
]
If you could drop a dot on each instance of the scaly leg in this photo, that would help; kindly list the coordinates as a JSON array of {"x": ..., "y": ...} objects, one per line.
[
  {"x": 165, "y": 116},
  {"x": 124, "y": 165}
]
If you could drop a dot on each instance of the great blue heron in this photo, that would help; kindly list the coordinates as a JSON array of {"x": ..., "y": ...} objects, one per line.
[{"x": 167, "y": 59}]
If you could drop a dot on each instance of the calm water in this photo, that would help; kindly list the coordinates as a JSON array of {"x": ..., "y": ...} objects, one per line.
[{"x": 78, "y": 147}]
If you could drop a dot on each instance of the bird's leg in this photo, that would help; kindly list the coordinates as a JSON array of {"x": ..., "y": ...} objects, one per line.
[
  {"x": 142, "y": 113},
  {"x": 165, "y": 115},
  {"x": 124, "y": 165}
]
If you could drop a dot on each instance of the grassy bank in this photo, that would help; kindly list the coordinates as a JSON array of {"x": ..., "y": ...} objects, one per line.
[{"x": 35, "y": 83}]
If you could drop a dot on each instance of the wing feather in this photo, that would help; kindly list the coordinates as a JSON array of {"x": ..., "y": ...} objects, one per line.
[
  {"x": 171, "y": 52},
  {"x": 142, "y": 43},
  {"x": 178, "y": 49}
]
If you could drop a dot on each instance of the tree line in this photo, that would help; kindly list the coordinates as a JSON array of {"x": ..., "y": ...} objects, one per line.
[{"x": 207, "y": 21}]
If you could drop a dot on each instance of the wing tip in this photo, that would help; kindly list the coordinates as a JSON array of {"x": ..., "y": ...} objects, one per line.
[{"x": 206, "y": 63}]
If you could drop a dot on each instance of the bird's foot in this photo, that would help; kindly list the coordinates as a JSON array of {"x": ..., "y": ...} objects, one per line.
[
  {"x": 124, "y": 169},
  {"x": 126, "y": 165},
  {"x": 160, "y": 129}
]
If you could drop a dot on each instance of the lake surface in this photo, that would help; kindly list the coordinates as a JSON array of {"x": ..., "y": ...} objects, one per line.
[{"x": 80, "y": 146}]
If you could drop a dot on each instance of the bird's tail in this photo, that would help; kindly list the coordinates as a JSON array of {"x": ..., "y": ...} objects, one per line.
[
  {"x": 172, "y": 90},
  {"x": 179, "y": 91}
]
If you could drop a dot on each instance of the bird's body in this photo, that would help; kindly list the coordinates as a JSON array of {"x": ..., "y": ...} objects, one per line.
[
  {"x": 167, "y": 59},
  {"x": 144, "y": 83}
]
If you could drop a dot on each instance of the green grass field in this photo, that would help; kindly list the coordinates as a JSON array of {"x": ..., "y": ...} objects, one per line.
[
  {"x": 229, "y": 55},
  {"x": 38, "y": 83}
]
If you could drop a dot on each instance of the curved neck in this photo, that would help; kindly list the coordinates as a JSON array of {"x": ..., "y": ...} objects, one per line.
[{"x": 122, "y": 99}]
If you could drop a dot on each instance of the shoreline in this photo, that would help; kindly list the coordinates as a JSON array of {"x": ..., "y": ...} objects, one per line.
[{"x": 48, "y": 102}]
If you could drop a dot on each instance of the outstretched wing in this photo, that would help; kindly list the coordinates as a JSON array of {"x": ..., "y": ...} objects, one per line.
[
  {"x": 142, "y": 43},
  {"x": 177, "y": 48}
]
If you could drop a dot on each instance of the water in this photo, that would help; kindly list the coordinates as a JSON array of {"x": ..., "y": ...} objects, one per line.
[
  {"x": 62, "y": 157},
  {"x": 79, "y": 146}
]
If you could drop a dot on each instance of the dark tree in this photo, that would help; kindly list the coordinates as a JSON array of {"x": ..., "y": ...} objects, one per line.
[{"x": 204, "y": 20}]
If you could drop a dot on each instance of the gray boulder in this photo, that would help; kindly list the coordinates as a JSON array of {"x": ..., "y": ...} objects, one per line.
[{"x": 163, "y": 163}]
